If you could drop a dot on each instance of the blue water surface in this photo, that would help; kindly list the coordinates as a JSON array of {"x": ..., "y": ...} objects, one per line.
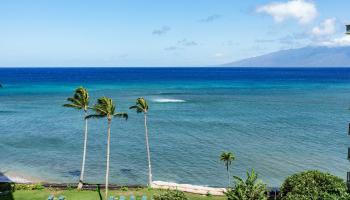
[{"x": 277, "y": 120}]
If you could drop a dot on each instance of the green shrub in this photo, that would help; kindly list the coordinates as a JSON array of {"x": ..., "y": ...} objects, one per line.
[
  {"x": 249, "y": 189},
  {"x": 28, "y": 186},
  {"x": 314, "y": 185},
  {"x": 171, "y": 195},
  {"x": 208, "y": 194}
]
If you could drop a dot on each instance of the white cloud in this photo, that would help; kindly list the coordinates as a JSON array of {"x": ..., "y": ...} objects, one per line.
[
  {"x": 337, "y": 42},
  {"x": 326, "y": 28},
  {"x": 301, "y": 10}
]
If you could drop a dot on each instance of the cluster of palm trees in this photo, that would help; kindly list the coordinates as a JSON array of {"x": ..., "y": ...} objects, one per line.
[{"x": 105, "y": 108}]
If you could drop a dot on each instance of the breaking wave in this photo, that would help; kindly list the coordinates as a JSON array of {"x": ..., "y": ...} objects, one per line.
[{"x": 164, "y": 100}]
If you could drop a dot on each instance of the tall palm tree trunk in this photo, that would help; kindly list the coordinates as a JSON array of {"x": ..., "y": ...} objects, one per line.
[
  {"x": 148, "y": 154},
  {"x": 228, "y": 175},
  {"x": 107, "y": 170},
  {"x": 81, "y": 180}
]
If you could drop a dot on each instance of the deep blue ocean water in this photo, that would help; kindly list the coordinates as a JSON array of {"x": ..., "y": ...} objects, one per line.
[{"x": 277, "y": 120}]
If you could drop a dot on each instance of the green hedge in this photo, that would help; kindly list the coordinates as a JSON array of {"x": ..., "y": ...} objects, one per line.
[
  {"x": 28, "y": 186},
  {"x": 171, "y": 195}
]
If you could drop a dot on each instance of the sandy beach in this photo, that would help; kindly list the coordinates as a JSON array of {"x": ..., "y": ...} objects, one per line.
[{"x": 196, "y": 189}]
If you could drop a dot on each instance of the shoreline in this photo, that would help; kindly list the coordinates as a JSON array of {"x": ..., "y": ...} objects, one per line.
[
  {"x": 14, "y": 177},
  {"x": 10, "y": 177}
]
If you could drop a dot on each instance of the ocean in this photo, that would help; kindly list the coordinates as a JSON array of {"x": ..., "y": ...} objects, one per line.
[{"x": 278, "y": 121}]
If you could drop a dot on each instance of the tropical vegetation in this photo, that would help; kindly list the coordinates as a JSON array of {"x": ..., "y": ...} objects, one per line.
[
  {"x": 314, "y": 185},
  {"x": 171, "y": 195},
  {"x": 227, "y": 158},
  {"x": 249, "y": 189},
  {"x": 141, "y": 106},
  {"x": 80, "y": 101},
  {"x": 105, "y": 108}
]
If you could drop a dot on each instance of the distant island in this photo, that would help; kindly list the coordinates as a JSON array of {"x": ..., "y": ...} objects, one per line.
[{"x": 311, "y": 56}]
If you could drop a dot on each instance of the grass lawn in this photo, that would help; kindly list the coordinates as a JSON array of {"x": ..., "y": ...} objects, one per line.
[{"x": 93, "y": 195}]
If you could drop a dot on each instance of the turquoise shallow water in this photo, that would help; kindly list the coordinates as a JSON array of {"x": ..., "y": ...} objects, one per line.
[{"x": 277, "y": 121}]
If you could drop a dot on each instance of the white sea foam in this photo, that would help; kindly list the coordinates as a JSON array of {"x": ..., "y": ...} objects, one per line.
[
  {"x": 164, "y": 100},
  {"x": 14, "y": 179}
]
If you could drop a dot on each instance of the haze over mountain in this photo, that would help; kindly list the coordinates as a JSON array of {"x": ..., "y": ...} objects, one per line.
[{"x": 311, "y": 56}]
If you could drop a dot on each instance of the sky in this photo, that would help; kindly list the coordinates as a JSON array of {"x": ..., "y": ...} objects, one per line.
[{"x": 124, "y": 33}]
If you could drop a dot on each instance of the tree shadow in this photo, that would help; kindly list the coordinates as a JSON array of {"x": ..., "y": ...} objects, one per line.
[{"x": 6, "y": 188}]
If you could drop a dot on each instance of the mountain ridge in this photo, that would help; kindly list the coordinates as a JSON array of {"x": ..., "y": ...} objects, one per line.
[{"x": 310, "y": 56}]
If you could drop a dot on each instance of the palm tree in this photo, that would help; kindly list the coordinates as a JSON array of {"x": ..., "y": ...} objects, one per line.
[
  {"x": 80, "y": 100},
  {"x": 141, "y": 106},
  {"x": 227, "y": 158},
  {"x": 105, "y": 108}
]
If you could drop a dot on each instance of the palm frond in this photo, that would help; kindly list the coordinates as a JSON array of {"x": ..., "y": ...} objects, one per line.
[
  {"x": 238, "y": 179},
  {"x": 227, "y": 157},
  {"x": 121, "y": 115},
  {"x": 133, "y": 107},
  {"x": 95, "y": 116},
  {"x": 100, "y": 109},
  {"x": 140, "y": 106},
  {"x": 112, "y": 108},
  {"x": 143, "y": 103},
  {"x": 74, "y": 101},
  {"x": 80, "y": 99},
  {"x": 137, "y": 108},
  {"x": 105, "y": 108},
  {"x": 72, "y": 106},
  {"x": 105, "y": 101},
  {"x": 83, "y": 94}
]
